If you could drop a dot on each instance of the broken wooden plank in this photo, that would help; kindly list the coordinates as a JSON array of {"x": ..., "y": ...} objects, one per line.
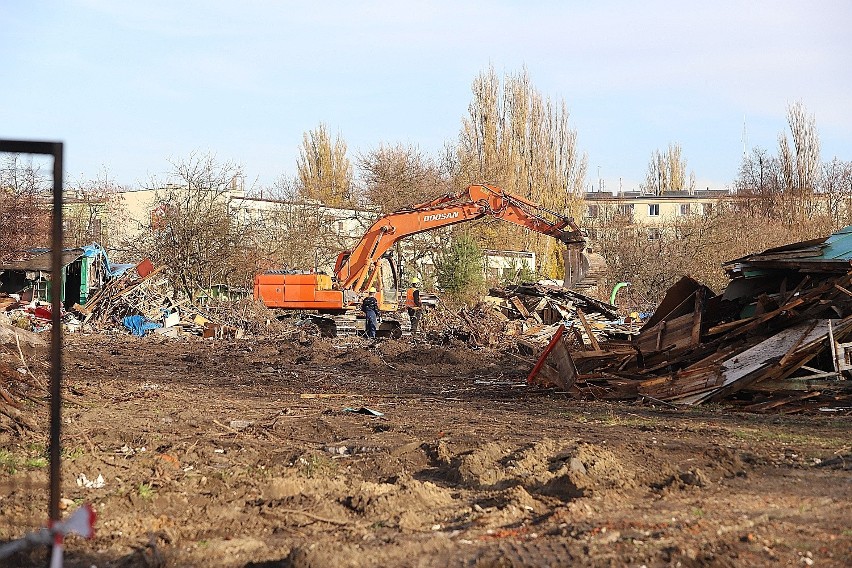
[
  {"x": 772, "y": 404},
  {"x": 519, "y": 305},
  {"x": 697, "y": 316},
  {"x": 550, "y": 346},
  {"x": 592, "y": 340}
]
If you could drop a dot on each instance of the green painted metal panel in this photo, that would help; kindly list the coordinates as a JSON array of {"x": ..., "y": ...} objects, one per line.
[
  {"x": 49, "y": 288},
  {"x": 84, "y": 279},
  {"x": 839, "y": 245}
]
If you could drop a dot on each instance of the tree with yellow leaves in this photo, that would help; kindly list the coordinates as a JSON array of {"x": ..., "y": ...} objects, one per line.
[
  {"x": 325, "y": 173},
  {"x": 667, "y": 172},
  {"x": 522, "y": 141}
]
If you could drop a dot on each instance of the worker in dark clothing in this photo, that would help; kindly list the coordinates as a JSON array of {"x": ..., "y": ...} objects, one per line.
[
  {"x": 413, "y": 305},
  {"x": 370, "y": 307}
]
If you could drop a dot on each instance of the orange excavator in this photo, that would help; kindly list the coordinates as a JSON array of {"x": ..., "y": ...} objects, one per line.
[{"x": 369, "y": 264}]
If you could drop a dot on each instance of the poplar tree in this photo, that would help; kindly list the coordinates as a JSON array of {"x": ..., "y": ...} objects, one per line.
[
  {"x": 667, "y": 172},
  {"x": 799, "y": 161},
  {"x": 324, "y": 171},
  {"x": 522, "y": 141}
]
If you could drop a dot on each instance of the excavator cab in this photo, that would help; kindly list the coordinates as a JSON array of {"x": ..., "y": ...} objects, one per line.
[
  {"x": 389, "y": 288},
  {"x": 386, "y": 280}
]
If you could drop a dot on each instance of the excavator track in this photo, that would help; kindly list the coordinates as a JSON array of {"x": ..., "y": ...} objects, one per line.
[{"x": 348, "y": 325}]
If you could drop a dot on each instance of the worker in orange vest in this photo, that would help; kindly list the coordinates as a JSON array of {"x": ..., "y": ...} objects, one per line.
[{"x": 413, "y": 305}]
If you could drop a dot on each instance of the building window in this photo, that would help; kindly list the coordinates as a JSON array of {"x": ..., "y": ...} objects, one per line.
[
  {"x": 592, "y": 211},
  {"x": 653, "y": 234},
  {"x": 685, "y": 209},
  {"x": 653, "y": 209},
  {"x": 626, "y": 209},
  {"x": 708, "y": 208}
]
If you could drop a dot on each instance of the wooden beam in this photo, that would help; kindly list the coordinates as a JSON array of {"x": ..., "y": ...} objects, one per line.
[
  {"x": 592, "y": 340},
  {"x": 697, "y": 316}
]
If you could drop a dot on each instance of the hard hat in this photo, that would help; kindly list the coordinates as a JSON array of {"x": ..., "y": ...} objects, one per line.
[
  {"x": 415, "y": 280},
  {"x": 371, "y": 290}
]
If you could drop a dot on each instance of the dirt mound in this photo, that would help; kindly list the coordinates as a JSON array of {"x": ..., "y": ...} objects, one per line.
[
  {"x": 281, "y": 488},
  {"x": 547, "y": 468},
  {"x": 407, "y": 503},
  {"x": 480, "y": 467}
]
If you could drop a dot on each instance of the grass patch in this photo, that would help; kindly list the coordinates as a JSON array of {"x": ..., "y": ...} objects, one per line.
[
  {"x": 779, "y": 436},
  {"x": 36, "y": 463},
  {"x": 72, "y": 453},
  {"x": 146, "y": 491},
  {"x": 317, "y": 466},
  {"x": 8, "y": 462},
  {"x": 616, "y": 419}
]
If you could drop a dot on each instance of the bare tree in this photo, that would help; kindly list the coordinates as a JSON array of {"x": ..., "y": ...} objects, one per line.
[
  {"x": 24, "y": 207},
  {"x": 91, "y": 207},
  {"x": 303, "y": 235},
  {"x": 397, "y": 176},
  {"x": 836, "y": 188},
  {"x": 195, "y": 231},
  {"x": 652, "y": 259},
  {"x": 325, "y": 173},
  {"x": 667, "y": 172},
  {"x": 800, "y": 161}
]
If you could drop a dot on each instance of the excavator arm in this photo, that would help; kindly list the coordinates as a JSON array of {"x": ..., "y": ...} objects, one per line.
[{"x": 358, "y": 270}]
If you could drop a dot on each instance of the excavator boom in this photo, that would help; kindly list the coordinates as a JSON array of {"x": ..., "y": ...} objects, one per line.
[{"x": 358, "y": 271}]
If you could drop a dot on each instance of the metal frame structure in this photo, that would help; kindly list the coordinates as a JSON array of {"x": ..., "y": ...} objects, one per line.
[{"x": 54, "y": 149}]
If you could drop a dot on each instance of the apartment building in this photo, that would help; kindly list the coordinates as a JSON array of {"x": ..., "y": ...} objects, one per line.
[
  {"x": 645, "y": 213},
  {"x": 650, "y": 209}
]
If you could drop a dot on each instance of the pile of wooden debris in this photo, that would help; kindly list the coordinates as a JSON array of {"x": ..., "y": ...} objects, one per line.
[
  {"x": 776, "y": 338},
  {"x": 527, "y": 316},
  {"x": 143, "y": 300}
]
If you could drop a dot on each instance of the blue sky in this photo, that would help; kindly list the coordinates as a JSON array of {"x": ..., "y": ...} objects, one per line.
[{"x": 130, "y": 85}]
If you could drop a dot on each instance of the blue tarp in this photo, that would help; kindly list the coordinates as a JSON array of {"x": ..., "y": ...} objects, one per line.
[
  {"x": 94, "y": 250},
  {"x": 138, "y": 325}
]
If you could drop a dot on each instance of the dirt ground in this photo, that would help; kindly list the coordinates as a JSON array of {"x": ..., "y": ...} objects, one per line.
[{"x": 243, "y": 454}]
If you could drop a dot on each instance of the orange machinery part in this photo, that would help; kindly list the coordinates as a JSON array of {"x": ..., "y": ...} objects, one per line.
[{"x": 297, "y": 292}]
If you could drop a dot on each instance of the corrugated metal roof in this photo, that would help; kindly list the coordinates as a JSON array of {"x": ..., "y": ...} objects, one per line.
[
  {"x": 839, "y": 245},
  {"x": 42, "y": 262}
]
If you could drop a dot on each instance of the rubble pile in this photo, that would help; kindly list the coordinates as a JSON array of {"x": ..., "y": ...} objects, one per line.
[
  {"x": 528, "y": 315},
  {"x": 775, "y": 338},
  {"x": 543, "y": 308},
  {"x": 23, "y": 379},
  {"x": 141, "y": 300}
]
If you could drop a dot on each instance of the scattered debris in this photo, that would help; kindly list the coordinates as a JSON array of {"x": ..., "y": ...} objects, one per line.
[
  {"x": 566, "y": 372},
  {"x": 529, "y": 315},
  {"x": 775, "y": 339},
  {"x": 136, "y": 298},
  {"x": 364, "y": 410},
  {"x": 97, "y": 483}
]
